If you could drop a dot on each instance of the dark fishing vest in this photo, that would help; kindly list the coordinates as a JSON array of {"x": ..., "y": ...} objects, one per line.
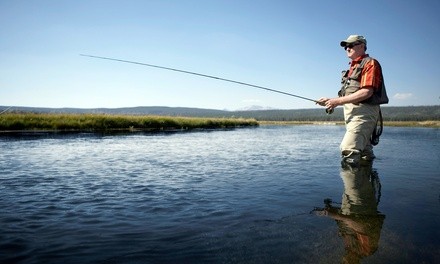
[{"x": 351, "y": 84}]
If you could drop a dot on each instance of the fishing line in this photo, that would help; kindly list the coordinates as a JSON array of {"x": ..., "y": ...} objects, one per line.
[{"x": 202, "y": 75}]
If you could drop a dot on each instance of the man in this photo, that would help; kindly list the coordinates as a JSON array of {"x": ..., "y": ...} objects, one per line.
[{"x": 362, "y": 92}]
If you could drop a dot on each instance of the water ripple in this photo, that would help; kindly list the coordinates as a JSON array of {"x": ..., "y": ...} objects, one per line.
[{"x": 225, "y": 196}]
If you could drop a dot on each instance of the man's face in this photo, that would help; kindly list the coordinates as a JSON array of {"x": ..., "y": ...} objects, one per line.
[{"x": 355, "y": 50}]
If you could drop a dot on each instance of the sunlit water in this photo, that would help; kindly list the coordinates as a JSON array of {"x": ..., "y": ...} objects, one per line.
[{"x": 237, "y": 196}]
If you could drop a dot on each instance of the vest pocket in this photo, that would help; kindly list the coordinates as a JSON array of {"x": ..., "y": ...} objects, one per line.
[{"x": 350, "y": 89}]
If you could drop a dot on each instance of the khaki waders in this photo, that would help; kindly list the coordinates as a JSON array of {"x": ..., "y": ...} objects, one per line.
[{"x": 360, "y": 121}]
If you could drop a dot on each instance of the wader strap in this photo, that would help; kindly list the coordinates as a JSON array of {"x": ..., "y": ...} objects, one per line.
[{"x": 377, "y": 130}]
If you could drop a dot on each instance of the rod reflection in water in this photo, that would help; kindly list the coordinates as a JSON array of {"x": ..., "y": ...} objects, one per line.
[{"x": 359, "y": 221}]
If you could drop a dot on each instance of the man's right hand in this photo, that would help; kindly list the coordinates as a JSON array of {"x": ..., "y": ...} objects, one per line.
[{"x": 321, "y": 101}]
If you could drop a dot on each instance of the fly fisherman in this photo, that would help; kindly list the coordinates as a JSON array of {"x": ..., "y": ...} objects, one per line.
[{"x": 363, "y": 90}]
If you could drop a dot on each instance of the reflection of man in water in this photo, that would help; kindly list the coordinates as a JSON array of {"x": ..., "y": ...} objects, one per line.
[{"x": 358, "y": 220}]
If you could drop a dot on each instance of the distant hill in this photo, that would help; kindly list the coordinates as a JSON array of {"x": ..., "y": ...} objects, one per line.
[
  {"x": 390, "y": 113},
  {"x": 141, "y": 110}
]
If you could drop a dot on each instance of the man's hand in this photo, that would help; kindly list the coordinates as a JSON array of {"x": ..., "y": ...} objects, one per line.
[
  {"x": 321, "y": 101},
  {"x": 333, "y": 103},
  {"x": 328, "y": 103}
]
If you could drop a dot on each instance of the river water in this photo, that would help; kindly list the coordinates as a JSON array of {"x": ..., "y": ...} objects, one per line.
[{"x": 272, "y": 194}]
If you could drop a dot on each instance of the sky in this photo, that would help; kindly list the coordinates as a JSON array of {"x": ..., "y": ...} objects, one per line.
[{"x": 291, "y": 46}]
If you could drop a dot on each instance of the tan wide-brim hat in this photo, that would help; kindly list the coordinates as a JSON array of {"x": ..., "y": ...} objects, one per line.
[{"x": 352, "y": 39}]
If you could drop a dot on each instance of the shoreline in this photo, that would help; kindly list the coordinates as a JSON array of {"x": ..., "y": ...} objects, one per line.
[
  {"x": 102, "y": 123},
  {"x": 427, "y": 124},
  {"x": 413, "y": 124},
  {"x": 28, "y": 122}
]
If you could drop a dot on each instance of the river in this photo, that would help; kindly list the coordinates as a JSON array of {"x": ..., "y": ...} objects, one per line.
[{"x": 272, "y": 194}]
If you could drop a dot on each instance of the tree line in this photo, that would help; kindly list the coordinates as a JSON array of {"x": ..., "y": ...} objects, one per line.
[
  {"x": 406, "y": 113},
  {"x": 390, "y": 113}
]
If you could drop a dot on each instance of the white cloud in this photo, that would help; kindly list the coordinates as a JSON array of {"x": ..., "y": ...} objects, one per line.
[{"x": 402, "y": 96}]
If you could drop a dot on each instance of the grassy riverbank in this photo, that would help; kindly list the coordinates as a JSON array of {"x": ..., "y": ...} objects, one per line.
[
  {"x": 432, "y": 124},
  {"x": 99, "y": 122}
]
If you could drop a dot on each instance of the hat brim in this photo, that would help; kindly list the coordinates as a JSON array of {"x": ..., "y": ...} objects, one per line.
[{"x": 344, "y": 42}]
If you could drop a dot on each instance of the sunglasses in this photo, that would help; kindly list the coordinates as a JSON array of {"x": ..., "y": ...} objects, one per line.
[{"x": 351, "y": 45}]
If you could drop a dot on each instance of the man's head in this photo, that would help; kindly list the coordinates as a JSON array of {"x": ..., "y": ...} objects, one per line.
[{"x": 355, "y": 45}]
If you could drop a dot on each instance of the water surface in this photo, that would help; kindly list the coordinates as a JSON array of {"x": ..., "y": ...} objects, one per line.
[{"x": 238, "y": 196}]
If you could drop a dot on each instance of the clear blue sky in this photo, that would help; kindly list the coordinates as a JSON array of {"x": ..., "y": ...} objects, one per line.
[{"x": 290, "y": 45}]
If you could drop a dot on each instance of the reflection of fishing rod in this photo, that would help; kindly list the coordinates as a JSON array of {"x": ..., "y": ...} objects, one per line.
[{"x": 203, "y": 75}]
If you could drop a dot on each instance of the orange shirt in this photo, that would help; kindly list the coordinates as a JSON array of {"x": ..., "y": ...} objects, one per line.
[{"x": 371, "y": 75}]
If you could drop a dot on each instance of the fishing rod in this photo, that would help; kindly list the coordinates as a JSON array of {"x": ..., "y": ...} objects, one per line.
[
  {"x": 204, "y": 75},
  {"x": 4, "y": 111}
]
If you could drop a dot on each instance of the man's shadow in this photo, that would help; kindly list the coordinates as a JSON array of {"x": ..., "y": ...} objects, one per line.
[{"x": 358, "y": 219}]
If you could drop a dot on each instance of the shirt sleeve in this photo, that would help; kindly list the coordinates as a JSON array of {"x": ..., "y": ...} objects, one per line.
[{"x": 371, "y": 75}]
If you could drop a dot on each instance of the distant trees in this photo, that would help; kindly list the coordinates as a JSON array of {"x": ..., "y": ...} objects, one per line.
[
  {"x": 411, "y": 113},
  {"x": 407, "y": 113},
  {"x": 390, "y": 113}
]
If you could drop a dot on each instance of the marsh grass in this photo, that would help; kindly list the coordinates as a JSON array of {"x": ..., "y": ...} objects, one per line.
[
  {"x": 430, "y": 124},
  {"x": 99, "y": 122}
]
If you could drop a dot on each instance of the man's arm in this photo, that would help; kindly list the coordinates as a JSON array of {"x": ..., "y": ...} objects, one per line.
[{"x": 359, "y": 96}]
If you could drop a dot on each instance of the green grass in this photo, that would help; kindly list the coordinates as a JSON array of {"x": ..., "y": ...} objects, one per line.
[
  {"x": 99, "y": 122},
  {"x": 431, "y": 124},
  {"x": 105, "y": 122}
]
